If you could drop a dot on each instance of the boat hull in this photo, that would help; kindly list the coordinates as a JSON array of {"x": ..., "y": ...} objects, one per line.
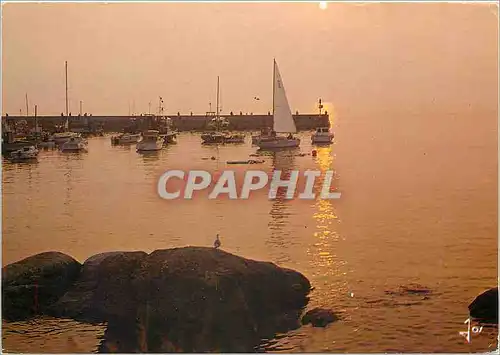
[
  {"x": 24, "y": 154},
  {"x": 235, "y": 139},
  {"x": 74, "y": 145},
  {"x": 277, "y": 143},
  {"x": 149, "y": 146},
  {"x": 74, "y": 148},
  {"x": 211, "y": 138},
  {"x": 169, "y": 138},
  {"x": 126, "y": 139},
  {"x": 8, "y": 148},
  {"x": 60, "y": 140}
]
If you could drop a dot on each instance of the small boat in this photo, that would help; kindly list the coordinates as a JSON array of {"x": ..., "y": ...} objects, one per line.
[
  {"x": 74, "y": 144},
  {"x": 151, "y": 141},
  {"x": 282, "y": 119},
  {"x": 24, "y": 154},
  {"x": 126, "y": 138},
  {"x": 170, "y": 137},
  {"x": 8, "y": 148},
  {"x": 63, "y": 137},
  {"x": 234, "y": 138},
  {"x": 219, "y": 124},
  {"x": 167, "y": 129},
  {"x": 322, "y": 136},
  {"x": 213, "y": 138},
  {"x": 218, "y": 137},
  {"x": 263, "y": 133}
]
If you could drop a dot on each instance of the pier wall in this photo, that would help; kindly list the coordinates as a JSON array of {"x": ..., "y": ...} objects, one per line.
[{"x": 181, "y": 122}]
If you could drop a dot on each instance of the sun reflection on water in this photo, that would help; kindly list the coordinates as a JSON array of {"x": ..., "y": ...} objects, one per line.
[{"x": 324, "y": 250}]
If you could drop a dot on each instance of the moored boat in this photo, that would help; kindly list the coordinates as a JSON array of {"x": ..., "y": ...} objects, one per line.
[
  {"x": 169, "y": 137},
  {"x": 24, "y": 154},
  {"x": 213, "y": 138},
  {"x": 265, "y": 132},
  {"x": 322, "y": 136},
  {"x": 151, "y": 141},
  {"x": 74, "y": 144},
  {"x": 63, "y": 137},
  {"x": 219, "y": 124},
  {"x": 234, "y": 138},
  {"x": 126, "y": 138}
]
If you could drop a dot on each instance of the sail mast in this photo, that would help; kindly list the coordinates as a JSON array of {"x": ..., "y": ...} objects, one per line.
[
  {"x": 27, "y": 109},
  {"x": 36, "y": 120},
  {"x": 217, "y": 106},
  {"x": 274, "y": 82},
  {"x": 66, "y": 79}
]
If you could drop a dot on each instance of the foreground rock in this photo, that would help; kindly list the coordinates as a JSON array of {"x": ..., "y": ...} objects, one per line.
[
  {"x": 184, "y": 300},
  {"x": 485, "y": 307},
  {"x": 31, "y": 285},
  {"x": 105, "y": 288},
  {"x": 319, "y": 317}
]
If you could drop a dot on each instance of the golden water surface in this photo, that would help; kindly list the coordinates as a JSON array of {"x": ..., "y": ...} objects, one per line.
[{"x": 418, "y": 205}]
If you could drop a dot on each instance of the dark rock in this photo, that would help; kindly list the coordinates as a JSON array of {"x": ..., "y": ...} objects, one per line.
[
  {"x": 485, "y": 307},
  {"x": 319, "y": 317},
  {"x": 203, "y": 299},
  {"x": 103, "y": 290},
  {"x": 189, "y": 299},
  {"x": 31, "y": 285}
]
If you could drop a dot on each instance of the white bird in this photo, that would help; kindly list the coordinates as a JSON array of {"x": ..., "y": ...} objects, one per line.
[{"x": 217, "y": 242}]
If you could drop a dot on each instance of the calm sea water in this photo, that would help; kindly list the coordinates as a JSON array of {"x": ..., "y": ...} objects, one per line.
[{"x": 418, "y": 205}]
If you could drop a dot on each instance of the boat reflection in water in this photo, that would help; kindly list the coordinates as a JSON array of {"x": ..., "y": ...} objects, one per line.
[{"x": 283, "y": 160}]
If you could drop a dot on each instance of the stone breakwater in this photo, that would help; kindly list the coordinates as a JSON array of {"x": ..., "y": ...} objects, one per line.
[
  {"x": 181, "y": 122},
  {"x": 191, "y": 299}
]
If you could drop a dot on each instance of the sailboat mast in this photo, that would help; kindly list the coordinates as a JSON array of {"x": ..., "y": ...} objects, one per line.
[
  {"x": 217, "y": 105},
  {"x": 36, "y": 119},
  {"x": 66, "y": 79},
  {"x": 27, "y": 109},
  {"x": 274, "y": 82}
]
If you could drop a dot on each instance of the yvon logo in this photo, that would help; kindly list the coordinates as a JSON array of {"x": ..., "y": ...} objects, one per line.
[{"x": 175, "y": 184}]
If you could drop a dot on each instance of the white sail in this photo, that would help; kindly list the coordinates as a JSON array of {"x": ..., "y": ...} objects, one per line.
[{"x": 282, "y": 115}]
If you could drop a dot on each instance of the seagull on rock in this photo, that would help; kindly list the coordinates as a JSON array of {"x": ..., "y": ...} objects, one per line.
[{"x": 217, "y": 242}]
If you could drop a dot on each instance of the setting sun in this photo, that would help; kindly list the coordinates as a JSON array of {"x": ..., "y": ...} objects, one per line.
[{"x": 323, "y": 5}]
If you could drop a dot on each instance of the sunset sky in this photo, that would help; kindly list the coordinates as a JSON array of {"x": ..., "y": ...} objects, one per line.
[{"x": 363, "y": 57}]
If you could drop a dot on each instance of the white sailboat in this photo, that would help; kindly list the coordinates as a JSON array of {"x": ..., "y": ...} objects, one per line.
[{"x": 282, "y": 119}]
